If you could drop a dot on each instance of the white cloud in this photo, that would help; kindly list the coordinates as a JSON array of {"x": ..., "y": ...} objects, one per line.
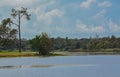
[
  {"x": 105, "y": 4},
  {"x": 100, "y": 14},
  {"x": 41, "y": 15},
  {"x": 47, "y": 17},
  {"x": 86, "y": 4},
  {"x": 17, "y": 2},
  {"x": 113, "y": 26},
  {"x": 89, "y": 28}
]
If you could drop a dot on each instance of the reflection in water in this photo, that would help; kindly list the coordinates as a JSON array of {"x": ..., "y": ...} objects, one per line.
[
  {"x": 6, "y": 67},
  {"x": 25, "y": 66},
  {"x": 64, "y": 66},
  {"x": 44, "y": 66}
]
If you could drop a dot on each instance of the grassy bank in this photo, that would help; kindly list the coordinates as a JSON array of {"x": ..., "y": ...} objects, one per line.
[
  {"x": 86, "y": 53},
  {"x": 24, "y": 54},
  {"x": 17, "y": 54},
  {"x": 77, "y": 52}
]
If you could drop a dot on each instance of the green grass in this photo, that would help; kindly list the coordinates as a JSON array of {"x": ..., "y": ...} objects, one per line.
[
  {"x": 17, "y": 54},
  {"x": 25, "y": 54}
]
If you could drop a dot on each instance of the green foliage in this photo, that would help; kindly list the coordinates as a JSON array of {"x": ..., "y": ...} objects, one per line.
[
  {"x": 42, "y": 43},
  {"x": 103, "y": 43},
  {"x": 22, "y": 12},
  {"x": 91, "y": 44},
  {"x": 7, "y": 35},
  {"x": 19, "y": 13}
]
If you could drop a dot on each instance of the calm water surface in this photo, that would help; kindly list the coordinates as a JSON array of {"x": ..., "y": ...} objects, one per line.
[{"x": 63, "y": 66}]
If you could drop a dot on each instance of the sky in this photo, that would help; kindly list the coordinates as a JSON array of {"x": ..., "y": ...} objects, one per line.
[{"x": 66, "y": 18}]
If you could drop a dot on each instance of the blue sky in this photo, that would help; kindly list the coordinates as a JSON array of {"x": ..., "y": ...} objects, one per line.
[{"x": 67, "y": 18}]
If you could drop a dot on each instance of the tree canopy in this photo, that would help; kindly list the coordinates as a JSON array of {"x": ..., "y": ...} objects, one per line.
[
  {"x": 7, "y": 35},
  {"x": 42, "y": 43},
  {"x": 19, "y": 13}
]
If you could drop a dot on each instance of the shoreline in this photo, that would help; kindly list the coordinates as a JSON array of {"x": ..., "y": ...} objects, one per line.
[
  {"x": 87, "y": 53},
  {"x": 58, "y": 53}
]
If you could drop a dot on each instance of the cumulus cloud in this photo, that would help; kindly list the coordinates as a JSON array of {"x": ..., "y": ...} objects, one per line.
[
  {"x": 99, "y": 14},
  {"x": 113, "y": 26},
  {"x": 17, "y": 2},
  {"x": 52, "y": 16},
  {"x": 41, "y": 15},
  {"x": 44, "y": 19},
  {"x": 105, "y": 4},
  {"x": 87, "y": 3},
  {"x": 89, "y": 28},
  {"x": 47, "y": 17}
]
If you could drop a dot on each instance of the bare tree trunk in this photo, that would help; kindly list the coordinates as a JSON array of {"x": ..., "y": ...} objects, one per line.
[{"x": 19, "y": 33}]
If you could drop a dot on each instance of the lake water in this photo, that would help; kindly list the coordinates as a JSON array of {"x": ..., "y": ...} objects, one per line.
[{"x": 62, "y": 66}]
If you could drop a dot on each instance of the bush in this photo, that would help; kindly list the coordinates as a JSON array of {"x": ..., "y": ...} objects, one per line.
[{"x": 42, "y": 43}]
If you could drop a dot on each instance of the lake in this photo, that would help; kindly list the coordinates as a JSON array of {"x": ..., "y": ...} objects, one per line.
[{"x": 61, "y": 66}]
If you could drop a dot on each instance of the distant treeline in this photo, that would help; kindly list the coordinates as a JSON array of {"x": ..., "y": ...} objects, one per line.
[{"x": 68, "y": 44}]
